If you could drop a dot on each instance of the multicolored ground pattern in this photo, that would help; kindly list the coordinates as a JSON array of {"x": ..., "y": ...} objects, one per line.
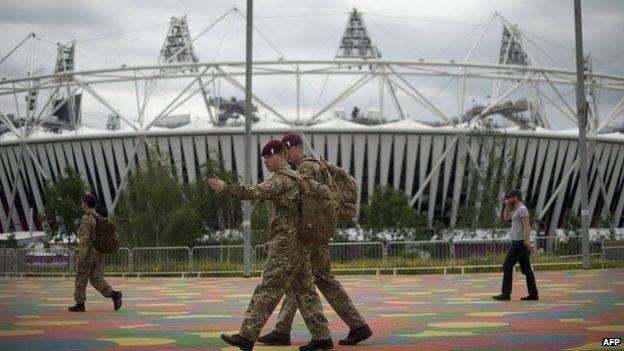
[{"x": 576, "y": 311}]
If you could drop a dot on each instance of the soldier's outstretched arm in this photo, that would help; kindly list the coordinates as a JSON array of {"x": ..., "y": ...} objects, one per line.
[{"x": 268, "y": 190}]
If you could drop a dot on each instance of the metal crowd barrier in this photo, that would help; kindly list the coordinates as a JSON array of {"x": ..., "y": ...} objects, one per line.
[
  {"x": 7, "y": 259},
  {"x": 217, "y": 259},
  {"x": 161, "y": 260},
  {"x": 119, "y": 262},
  {"x": 442, "y": 255},
  {"x": 368, "y": 255},
  {"x": 613, "y": 250},
  {"x": 57, "y": 261},
  {"x": 420, "y": 255}
]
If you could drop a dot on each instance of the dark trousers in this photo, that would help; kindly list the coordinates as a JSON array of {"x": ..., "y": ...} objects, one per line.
[{"x": 518, "y": 252}]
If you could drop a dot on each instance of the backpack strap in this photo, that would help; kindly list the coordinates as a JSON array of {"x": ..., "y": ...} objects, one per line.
[{"x": 292, "y": 174}]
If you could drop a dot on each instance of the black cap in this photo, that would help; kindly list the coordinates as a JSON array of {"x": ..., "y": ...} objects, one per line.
[{"x": 513, "y": 193}]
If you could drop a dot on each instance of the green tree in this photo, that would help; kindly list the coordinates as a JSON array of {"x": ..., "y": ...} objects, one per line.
[
  {"x": 62, "y": 204},
  {"x": 153, "y": 209},
  {"x": 216, "y": 211},
  {"x": 496, "y": 173},
  {"x": 388, "y": 210}
]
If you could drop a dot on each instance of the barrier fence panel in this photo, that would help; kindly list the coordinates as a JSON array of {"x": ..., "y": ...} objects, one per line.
[
  {"x": 350, "y": 256},
  {"x": 44, "y": 261},
  {"x": 613, "y": 250},
  {"x": 565, "y": 247},
  {"x": 118, "y": 262},
  {"x": 221, "y": 258},
  {"x": 480, "y": 252},
  {"x": 357, "y": 256},
  {"x": 7, "y": 258},
  {"x": 146, "y": 260},
  {"x": 418, "y": 254}
]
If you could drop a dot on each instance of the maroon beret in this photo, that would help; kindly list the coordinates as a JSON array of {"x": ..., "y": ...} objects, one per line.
[
  {"x": 291, "y": 139},
  {"x": 88, "y": 198},
  {"x": 272, "y": 147}
]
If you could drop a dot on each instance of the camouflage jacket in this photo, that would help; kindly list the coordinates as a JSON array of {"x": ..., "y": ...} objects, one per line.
[
  {"x": 282, "y": 193},
  {"x": 310, "y": 167},
  {"x": 86, "y": 231}
]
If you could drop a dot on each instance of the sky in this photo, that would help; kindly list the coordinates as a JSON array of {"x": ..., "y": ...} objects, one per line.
[{"x": 115, "y": 33}]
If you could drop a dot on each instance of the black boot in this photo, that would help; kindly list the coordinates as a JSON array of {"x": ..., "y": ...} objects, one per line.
[
  {"x": 530, "y": 298},
  {"x": 237, "y": 340},
  {"x": 324, "y": 345},
  {"x": 357, "y": 335},
  {"x": 116, "y": 296},
  {"x": 78, "y": 307},
  {"x": 502, "y": 297},
  {"x": 275, "y": 338}
]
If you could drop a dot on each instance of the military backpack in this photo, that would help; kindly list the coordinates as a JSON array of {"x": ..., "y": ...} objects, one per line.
[
  {"x": 105, "y": 240},
  {"x": 317, "y": 209},
  {"x": 343, "y": 187}
]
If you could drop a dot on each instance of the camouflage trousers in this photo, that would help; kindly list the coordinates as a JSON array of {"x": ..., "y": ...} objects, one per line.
[
  {"x": 329, "y": 287},
  {"x": 89, "y": 269},
  {"x": 288, "y": 266}
]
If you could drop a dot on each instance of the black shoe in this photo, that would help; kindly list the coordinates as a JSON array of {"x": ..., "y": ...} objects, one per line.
[
  {"x": 275, "y": 338},
  {"x": 357, "y": 335},
  {"x": 324, "y": 345},
  {"x": 502, "y": 297},
  {"x": 78, "y": 307},
  {"x": 237, "y": 340},
  {"x": 116, "y": 296},
  {"x": 530, "y": 298}
]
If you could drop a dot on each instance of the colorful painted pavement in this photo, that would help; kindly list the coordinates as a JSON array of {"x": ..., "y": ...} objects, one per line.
[{"x": 433, "y": 312}]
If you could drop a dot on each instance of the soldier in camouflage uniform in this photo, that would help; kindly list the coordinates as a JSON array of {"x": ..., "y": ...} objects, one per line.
[
  {"x": 333, "y": 291},
  {"x": 89, "y": 260},
  {"x": 288, "y": 262}
]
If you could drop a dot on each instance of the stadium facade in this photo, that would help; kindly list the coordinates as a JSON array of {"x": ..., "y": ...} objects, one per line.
[
  {"x": 405, "y": 155},
  {"x": 430, "y": 163}
]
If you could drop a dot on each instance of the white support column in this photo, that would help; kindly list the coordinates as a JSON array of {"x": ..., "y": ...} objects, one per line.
[
  {"x": 399, "y": 156},
  {"x": 411, "y": 156},
  {"x": 434, "y": 171},
  {"x": 458, "y": 180},
  {"x": 559, "y": 193},
  {"x": 372, "y": 150}
]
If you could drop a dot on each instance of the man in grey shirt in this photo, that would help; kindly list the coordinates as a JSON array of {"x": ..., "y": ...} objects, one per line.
[{"x": 521, "y": 246}]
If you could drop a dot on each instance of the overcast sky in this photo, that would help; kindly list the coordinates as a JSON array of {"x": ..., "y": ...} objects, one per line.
[{"x": 114, "y": 33}]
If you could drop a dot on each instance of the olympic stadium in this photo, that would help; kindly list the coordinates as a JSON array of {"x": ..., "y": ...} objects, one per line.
[{"x": 364, "y": 119}]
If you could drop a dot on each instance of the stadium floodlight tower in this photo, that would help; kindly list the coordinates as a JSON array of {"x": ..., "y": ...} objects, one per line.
[
  {"x": 357, "y": 44},
  {"x": 178, "y": 47},
  {"x": 513, "y": 52},
  {"x": 67, "y": 109}
]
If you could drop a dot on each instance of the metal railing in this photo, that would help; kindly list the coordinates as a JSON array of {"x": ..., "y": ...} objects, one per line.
[
  {"x": 160, "y": 260},
  {"x": 401, "y": 255},
  {"x": 367, "y": 255},
  {"x": 613, "y": 250},
  {"x": 7, "y": 261},
  {"x": 58, "y": 261},
  {"x": 217, "y": 259},
  {"x": 119, "y": 262},
  {"x": 459, "y": 255}
]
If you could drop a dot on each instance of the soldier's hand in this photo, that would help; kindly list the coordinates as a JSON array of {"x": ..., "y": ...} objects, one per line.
[{"x": 216, "y": 184}]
